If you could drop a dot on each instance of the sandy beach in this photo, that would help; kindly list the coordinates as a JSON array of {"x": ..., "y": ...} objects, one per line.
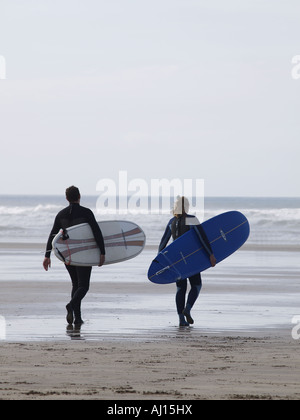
[
  {"x": 131, "y": 348},
  {"x": 185, "y": 366}
]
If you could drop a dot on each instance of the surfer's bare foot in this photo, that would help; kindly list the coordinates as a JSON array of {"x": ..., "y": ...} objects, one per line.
[{"x": 188, "y": 316}]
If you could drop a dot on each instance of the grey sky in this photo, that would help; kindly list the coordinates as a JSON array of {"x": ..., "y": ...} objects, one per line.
[{"x": 160, "y": 88}]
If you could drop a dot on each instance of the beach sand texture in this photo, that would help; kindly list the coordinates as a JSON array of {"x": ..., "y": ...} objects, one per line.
[{"x": 184, "y": 366}]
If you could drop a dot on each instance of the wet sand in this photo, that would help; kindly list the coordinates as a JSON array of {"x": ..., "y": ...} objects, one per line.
[{"x": 131, "y": 347}]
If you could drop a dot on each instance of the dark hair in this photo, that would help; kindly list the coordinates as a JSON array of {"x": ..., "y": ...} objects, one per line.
[{"x": 72, "y": 194}]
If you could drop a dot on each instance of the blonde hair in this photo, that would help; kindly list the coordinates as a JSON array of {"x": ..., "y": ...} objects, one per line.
[{"x": 181, "y": 206}]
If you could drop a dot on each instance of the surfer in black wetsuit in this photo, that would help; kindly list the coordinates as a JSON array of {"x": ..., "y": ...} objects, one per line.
[
  {"x": 177, "y": 226},
  {"x": 73, "y": 215}
]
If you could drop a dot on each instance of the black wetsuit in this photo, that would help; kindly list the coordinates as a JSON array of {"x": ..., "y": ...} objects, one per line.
[
  {"x": 176, "y": 227},
  {"x": 73, "y": 215}
]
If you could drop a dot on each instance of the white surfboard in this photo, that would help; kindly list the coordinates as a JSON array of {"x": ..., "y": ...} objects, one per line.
[{"x": 123, "y": 240}]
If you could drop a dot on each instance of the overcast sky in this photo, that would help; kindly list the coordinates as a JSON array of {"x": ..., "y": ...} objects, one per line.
[{"x": 197, "y": 89}]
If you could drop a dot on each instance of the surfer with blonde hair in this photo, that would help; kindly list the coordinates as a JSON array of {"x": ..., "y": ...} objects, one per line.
[{"x": 177, "y": 226}]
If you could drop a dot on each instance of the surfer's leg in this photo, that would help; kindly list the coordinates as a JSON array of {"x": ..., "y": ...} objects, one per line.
[
  {"x": 180, "y": 301},
  {"x": 196, "y": 285},
  {"x": 74, "y": 278},
  {"x": 84, "y": 275},
  {"x": 81, "y": 283}
]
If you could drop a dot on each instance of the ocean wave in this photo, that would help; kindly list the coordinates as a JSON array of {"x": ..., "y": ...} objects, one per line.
[
  {"x": 34, "y": 216},
  {"x": 262, "y": 217},
  {"x": 6, "y": 211},
  {"x": 17, "y": 210},
  {"x": 284, "y": 214}
]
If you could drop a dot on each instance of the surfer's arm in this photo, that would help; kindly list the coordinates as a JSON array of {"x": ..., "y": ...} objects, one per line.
[
  {"x": 203, "y": 239},
  {"x": 54, "y": 231},
  {"x": 206, "y": 245},
  {"x": 47, "y": 263},
  {"x": 166, "y": 237},
  {"x": 97, "y": 233}
]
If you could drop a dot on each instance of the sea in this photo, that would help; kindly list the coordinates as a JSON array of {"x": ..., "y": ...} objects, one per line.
[
  {"x": 257, "y": 288},
  {"x": 273, "y": 221}
]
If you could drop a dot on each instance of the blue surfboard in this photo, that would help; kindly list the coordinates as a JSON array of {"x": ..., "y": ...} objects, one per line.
[{"x": 186, "y": 256}]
